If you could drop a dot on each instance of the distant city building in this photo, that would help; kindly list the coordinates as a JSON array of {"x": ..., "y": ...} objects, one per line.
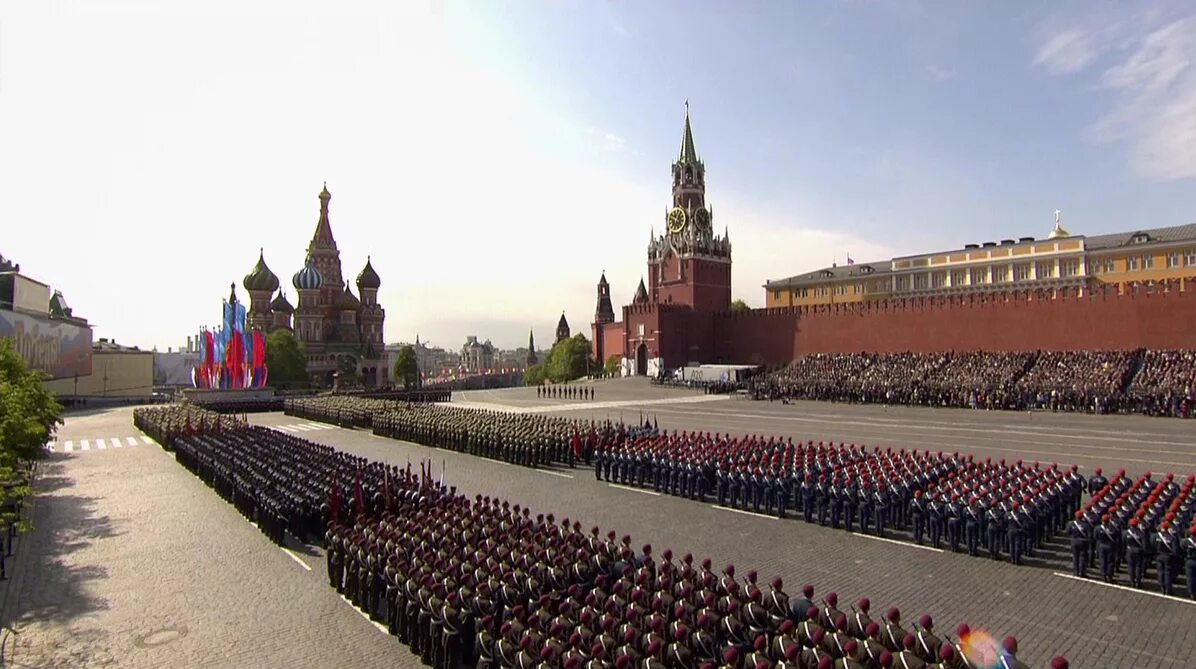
[
  {"x": 338, "y": 331},
  {"x": 431, "y": 360},
  {"x": 477, "y": 356},
  {"x": 531, "y": 358},
  {"x": 562, "y": 330}
]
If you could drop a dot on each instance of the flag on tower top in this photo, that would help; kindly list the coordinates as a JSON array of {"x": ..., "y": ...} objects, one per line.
[{"x": 849, "y": 260}]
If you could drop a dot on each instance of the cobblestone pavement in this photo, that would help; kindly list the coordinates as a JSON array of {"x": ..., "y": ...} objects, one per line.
[{"x": 136, "y": 563}]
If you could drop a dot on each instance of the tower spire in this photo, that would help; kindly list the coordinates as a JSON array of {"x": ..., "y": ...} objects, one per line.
[{"x": 689, "y": 154}]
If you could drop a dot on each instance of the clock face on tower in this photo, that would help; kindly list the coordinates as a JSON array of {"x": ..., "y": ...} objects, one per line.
[
  {"x": 676, "y": 220},
  {"x": 702, "y": 220}
]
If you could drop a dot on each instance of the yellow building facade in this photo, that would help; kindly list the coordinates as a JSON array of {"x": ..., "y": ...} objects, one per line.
[
  {"x": 1059, "y": 261},
  {"x": 116, "y": 371}
]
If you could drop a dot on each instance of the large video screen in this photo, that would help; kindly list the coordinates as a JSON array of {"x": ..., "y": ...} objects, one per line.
[{"x": 60, "y": 349}]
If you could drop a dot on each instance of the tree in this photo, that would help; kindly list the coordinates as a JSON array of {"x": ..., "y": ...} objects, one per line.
[
  {"x": 534, "y": 375},
  {"x": 407, "y": 367},
  {"x": 612, "y": 366},
  {"x": 286, "y": 363},
  {"x": 28, "y": 417},
  {"x": 570, "y": 359},
  {"x": 740, "y": 305}
]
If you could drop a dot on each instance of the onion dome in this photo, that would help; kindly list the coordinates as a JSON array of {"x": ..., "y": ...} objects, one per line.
[
  {"x": 349, "y": 301},
  {"x": 281, "y": 305},
  {"x": 308, "y": 278},
  {"x": 261, "y": 278},
  {"x": 368, "y": 279}
]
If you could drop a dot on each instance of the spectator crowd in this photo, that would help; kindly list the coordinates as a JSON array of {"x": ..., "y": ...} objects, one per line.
[{"x": 1157, "y": 383}]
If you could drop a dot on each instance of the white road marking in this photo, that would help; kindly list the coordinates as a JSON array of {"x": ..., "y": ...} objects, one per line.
[
  {"x": 380, "y": 626},
  {"x": 894, "y": 541},
  {"x": 147, "y": 440},
  {"x": 85, "y": 445},
  {"x": 1182, "y": 600},
  {"x": 748, "y": 513},
  {"x": 295, "y": 557},
  {"x": 68, "y": 446},
  {"x": 132, "y": 441},
  {"x": 564, "y": 476},
  {"x": 115, "y": 442},
  {"x": 318, "y": 426},
  {"x": 639, "y": 490},
  {"x": 100, "y": 445},
  {"x": 285, "y": 428}
]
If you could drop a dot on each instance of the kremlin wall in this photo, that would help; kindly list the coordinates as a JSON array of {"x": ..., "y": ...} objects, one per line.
[{"x": 1120, "y": 291}]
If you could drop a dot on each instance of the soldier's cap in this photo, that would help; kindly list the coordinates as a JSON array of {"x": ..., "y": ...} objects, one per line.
[
  {"x": 962, "y": 631},
  {"x": 1192, "y": 531},
  {"x": 1080, "y": 514},
  {"x": 909, "y": 641},
  {"x": 731, "y": 655},
  {"x": 818, "y": 635},
  {"x": 872, "y": 629},
  {"x": 807, "y": 590},
  {"x": 926, "y": 621},
  {"x": 825, "y": 662},
  {"x": 864, "y": 604},
  {"x": 791, "y": 652},
  {"x": 621, "y": 662},
  {"x": 946, "y": 652},
  {"x": 1009, "y": 644},
  {"x": 1059, "y": 663}
]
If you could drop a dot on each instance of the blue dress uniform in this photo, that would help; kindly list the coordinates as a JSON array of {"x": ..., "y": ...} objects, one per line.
[
  {"x": 824, "y": 498},
  {"x": 971, "y": 527},
  {"x": 1167, "y": 557},
  {"x": 1013, "y": 532},
  {"x": 995, "y": 524},
  {"x": 836, "y": 495},
  {"x": 1190, "y": 561},
  {"x": 954, "y": 523},
  {"x": 934, "y": 513},
  {"x": 1079, "y": 531},
  {"x": 881, "y": 508},
  {"x": 809, "y": 494},
  {"x": 1135, "y": 553},
  {"x": 917, "y": 515},
  {"x": 1106, "y": 542}
]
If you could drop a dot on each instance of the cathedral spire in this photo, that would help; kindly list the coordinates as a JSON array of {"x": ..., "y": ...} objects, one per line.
[
  {"x": 324, "y": 228},
  {"x": 689, "y": 154}
]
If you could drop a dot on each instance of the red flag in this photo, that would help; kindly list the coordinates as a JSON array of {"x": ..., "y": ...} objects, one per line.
[
  {"x": 334, "y": 501},
  {"x": 359, "y": 494},
  {"x": 576, "y": 444}
]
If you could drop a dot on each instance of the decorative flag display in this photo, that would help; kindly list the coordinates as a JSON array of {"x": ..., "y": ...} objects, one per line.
[{"x": 232, "y": 357}]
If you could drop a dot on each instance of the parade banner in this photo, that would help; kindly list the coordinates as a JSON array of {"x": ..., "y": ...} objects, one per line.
[
  {"x": 232, "y": 358},
  {"x": 58, "y": 348}
]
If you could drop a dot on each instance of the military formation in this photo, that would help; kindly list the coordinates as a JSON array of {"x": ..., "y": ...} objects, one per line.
[
  {"x": 997, "y": 510},
  {"x": 565, "y": 392},
  {"x": 480, "y": 582}
]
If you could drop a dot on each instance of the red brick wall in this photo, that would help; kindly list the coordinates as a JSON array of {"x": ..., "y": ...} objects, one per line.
[{"x": 1163, "y": 318}]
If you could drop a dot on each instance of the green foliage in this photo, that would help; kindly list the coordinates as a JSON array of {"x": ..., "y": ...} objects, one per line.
[
  {"x": 285, "y": 361},
  {"x": 570, "y": 359},
  {"x": 535, "y": 375},
  {"x": 740, "y": 305},
  {"x": 406, "y": 367},
  {"x": 29, "y": 415},
  {"x": 612, "y": 365}
]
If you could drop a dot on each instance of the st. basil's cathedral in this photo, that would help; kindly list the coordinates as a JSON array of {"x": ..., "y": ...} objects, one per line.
[{"x": 337, "y": 330}]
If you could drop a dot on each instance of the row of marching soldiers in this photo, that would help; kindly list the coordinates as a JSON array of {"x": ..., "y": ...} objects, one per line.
[{"x": 483, "y": 583}]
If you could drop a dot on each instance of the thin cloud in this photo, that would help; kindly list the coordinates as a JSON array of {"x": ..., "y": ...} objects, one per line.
[
  {"x": 1155, "y": 112},
  {"x": 1066, "y": 52},
  {"x": 939, "y": 73}
]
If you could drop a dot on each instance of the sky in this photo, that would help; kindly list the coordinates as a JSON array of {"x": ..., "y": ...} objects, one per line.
[{"x": 494, "y": 158}]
